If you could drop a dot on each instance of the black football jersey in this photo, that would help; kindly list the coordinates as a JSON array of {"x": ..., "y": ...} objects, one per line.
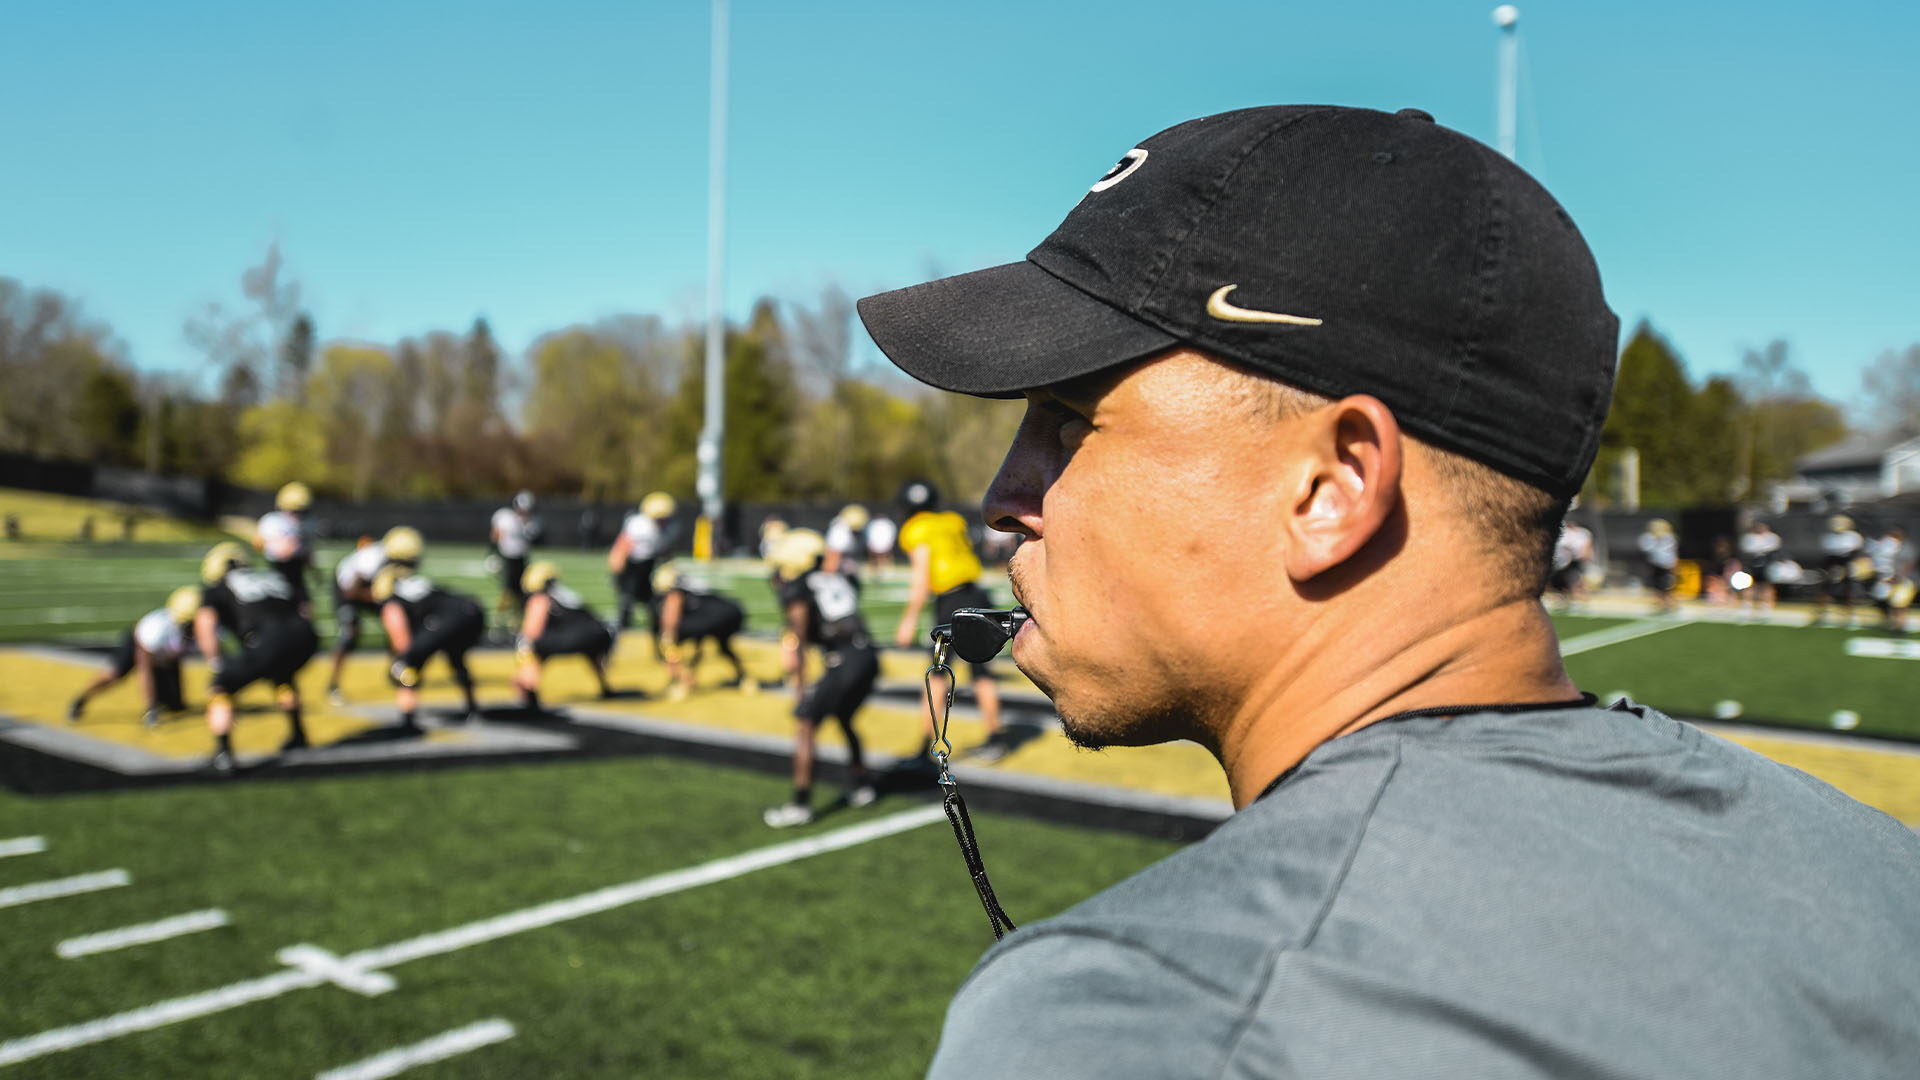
[
  {"x": 833, "y": 608},
  {"x": 247, "y": 600}
]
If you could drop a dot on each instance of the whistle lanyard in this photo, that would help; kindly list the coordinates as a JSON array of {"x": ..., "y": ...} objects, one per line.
[{"x": 951, "y": 802}]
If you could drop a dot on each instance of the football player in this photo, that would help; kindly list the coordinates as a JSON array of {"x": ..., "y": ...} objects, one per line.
[
  {"x": 821, "y": 608},
  {"x": 556, "y": 622},
  {"x": 1572, "y": 554},
  {"x": 422, "y": 619},
  {"x": 284, "y": 538},
  {"x": 1893, "y": 586},
  {"x": 352, "y": 591},
  {"x": 636, "y": 551},
  {"x": 1759, "y": 549},
  {"x": 844, "y": 540},
  {"x": 1842, "y": 550},
  {"x": 881, "y": 534},
  {"x": 258, "y": 608},
  {"x": 152, "y": 647},
  {"x": 945, "y": 567},
  {"x": 688, "y": 616},
  {"x": 1660, "y": 550},
  {"x": 511, "y": 533}
]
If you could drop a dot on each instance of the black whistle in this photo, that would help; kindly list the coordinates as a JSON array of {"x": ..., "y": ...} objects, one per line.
[{"x": 978, "y": 634}]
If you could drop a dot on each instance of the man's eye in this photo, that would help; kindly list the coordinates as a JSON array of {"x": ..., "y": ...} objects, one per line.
[{"x": 1072, "y": 426}]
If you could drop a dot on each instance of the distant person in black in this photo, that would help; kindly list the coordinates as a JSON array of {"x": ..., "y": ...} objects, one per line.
[
  {"x": 821, "y": 608},
  {"x": 422, "y": 619},
  {"x": 258, "y": 608},
  {"x": 688, "y": 616},
  {"x": 556, "y": 622}
]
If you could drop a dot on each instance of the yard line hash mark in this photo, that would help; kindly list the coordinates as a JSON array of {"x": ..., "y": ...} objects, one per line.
[
  {"x": 143, "y": 934},
  {"x": 223, "y": 998},
  {"x": 23, "y": 845},
  {"x": 70, "y": 886},
  {"x": 439, "y": 1048},
  {"x": 1614, "y": 635}
]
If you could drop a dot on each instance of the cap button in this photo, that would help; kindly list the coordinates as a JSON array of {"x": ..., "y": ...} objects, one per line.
[{"x": 1416, "y": 114}]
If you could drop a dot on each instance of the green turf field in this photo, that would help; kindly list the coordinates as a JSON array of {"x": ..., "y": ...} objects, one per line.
[{"x": 837, "y": 965}]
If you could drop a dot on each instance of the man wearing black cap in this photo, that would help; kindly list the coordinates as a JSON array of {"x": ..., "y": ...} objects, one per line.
[{"x": 1348, "y": 368}]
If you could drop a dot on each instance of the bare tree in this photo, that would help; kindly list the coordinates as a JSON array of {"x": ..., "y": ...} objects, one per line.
[
  {"x": 1892, "y": 385},
  {"x": 243, "y": 345}
]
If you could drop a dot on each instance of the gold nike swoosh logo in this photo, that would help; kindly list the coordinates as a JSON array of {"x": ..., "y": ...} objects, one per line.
[{"x": 1219, "y": 308}]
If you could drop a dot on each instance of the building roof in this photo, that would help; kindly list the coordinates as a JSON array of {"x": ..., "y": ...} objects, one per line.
[{"x": 1854, "y": 452}]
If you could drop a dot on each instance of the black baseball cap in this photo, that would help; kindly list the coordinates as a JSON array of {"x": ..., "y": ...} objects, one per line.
[{"x": 1339, "y": 250}]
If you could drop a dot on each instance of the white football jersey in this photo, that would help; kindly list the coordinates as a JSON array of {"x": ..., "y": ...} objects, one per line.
[
  {"x": 1838, "y": 544},
  {"x": 160, "y": 635},
  {"x": 1575, "y": 545},
  {"x": 840, "y": 537},
  {"x": 1759, "y": 545},
  {"x": 1888, "y": 554},
  {"x": 643, "y": 537},
  {"x": 1661, "y": 551},
  {"x": 360, "y": 566},
  {"x": 282, "y": 536},
  {"x": 515, "y": 532}
]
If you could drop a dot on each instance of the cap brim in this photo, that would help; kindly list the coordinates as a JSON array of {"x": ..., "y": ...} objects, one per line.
[{"x": 999, "y": 331}]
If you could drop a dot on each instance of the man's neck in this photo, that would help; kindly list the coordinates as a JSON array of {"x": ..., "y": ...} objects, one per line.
[{"x": 1324, "y": 686}]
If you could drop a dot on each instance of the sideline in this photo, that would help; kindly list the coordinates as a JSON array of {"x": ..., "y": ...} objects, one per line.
[{"x": 368, "y": 961}]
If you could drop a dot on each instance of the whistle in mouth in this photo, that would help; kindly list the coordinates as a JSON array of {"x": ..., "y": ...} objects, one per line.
[{"x": 978, "y": 634}]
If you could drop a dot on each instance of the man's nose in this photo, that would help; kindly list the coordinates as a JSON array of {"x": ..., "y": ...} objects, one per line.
[{"x": 1014, "y": 498}]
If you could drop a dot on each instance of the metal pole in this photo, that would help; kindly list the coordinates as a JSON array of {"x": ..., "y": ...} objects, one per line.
[
  {"x": 713, "y": 433},
  {"x": 1507, "y": 18}
]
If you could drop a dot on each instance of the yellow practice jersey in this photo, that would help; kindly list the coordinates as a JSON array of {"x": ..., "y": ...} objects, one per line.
[{"x": 952, "y": 562}]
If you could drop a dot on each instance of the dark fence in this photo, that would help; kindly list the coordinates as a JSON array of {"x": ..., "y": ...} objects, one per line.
[
  {"x": 183, "y": 496},
  {"x": 1618, "y": 532}
]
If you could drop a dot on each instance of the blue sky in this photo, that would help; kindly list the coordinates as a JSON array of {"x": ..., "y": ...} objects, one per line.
[{"x": 1743, "y": 171}]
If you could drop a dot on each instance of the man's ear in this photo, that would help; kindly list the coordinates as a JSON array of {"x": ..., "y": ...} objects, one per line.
[{"x": 1348, "y": 485}]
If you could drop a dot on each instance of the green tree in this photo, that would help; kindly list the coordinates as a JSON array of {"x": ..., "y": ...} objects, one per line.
[
  {"x": 106, "y": 413},
  {"x": 760, "y": 409},
  {"x": 282, "y": 441},
  {"x": 1652, "y": 406},
  {"x": 594, "y": 405},
  {"x": 349, "y": 396}
]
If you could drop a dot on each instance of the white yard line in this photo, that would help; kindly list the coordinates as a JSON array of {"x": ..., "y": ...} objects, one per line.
[
  {"x": 223, "y": 998},
  {"x": 439, "y": 1048},
  {"x": 71, "y": 886},
  {"x": 22, "y": 845},
  {"x": 1614, "y": 635},
  {"x": 144, "y": 934}
]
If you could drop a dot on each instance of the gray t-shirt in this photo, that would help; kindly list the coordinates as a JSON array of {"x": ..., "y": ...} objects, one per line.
[{"x": 1566, "y": 892}]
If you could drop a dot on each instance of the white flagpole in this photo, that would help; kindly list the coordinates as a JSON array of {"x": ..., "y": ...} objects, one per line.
[{"x": 1507, "y": 18}]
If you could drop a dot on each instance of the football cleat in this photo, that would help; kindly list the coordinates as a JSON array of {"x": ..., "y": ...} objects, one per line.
[
  {"x": 788, "y": 815},
  {"x": 864, "y": 795},
  {"x": 335, "y": 697},
  {"x": 221, "y": 764}
]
